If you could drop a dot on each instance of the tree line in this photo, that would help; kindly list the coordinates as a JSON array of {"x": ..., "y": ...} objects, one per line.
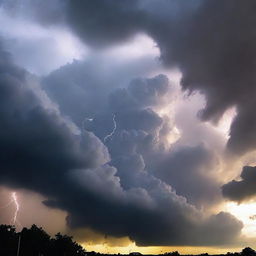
[{"x": 35, "y": 241}]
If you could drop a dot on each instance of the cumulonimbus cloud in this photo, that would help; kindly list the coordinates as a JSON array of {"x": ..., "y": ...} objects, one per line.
[
  {"x": 211, "y": 42},
  {"x": 130, "y": 186},
  {"x": 40, "y": 152}
]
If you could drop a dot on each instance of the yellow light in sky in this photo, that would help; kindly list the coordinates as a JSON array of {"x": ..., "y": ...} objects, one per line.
[
  {"x": 247, "y": 214},
  {"x": 103, "y": 248}
]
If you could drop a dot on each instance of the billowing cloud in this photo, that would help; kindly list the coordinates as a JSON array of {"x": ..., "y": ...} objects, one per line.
[
  {"x": 137, "y": 150},
  {"x": 37, "y": 144},
  {"x": 152, "y": 216},
  {"x": 215, "y": 53},
  {"x": 41, "y": 151},
  {"x": 81, "y": 88},
  {"x": 92, "y": 137}
]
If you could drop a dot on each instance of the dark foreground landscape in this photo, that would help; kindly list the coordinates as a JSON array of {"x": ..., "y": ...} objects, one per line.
[{"x": 35, "y": 241}]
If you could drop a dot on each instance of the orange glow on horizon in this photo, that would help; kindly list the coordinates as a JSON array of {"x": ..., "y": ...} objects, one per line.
[{"x": 104, "y": 248}]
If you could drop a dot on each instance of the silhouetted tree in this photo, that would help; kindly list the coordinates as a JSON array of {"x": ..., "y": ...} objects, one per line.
[
  {"x": 34, "y": 241},
  {"x": 63, "y": 245},
  {"x": 8, "y": 240},
  {"x": 175, "y": 253},
  {"x": 248, "y": 252}
]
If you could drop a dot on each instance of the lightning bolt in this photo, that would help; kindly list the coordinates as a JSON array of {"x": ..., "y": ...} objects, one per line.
[
  {"x": 13, "y": 201},
  {"x": 113, "y": 131},
  {"x": 17, "y": 207}
]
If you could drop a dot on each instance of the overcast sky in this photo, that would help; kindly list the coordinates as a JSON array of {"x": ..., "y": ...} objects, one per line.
[{"x": 130, "y": 124}]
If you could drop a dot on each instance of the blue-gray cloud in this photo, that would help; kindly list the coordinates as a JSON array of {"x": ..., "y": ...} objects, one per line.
[
  {"x": 215, "y": 53},
  {"x": 40, "y": 152}
]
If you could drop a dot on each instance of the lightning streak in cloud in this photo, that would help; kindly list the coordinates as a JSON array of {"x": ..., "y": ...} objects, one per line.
[
  {"x": 17, "y": 207},
  {"x": 113, "y": 131},
  {"x": 14, "y": 201}
]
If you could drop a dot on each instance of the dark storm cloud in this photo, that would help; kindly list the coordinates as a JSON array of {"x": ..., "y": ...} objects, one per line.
[
  {"x": 243, "y": 127},
  {"x": 40, "y": 152},
  {"x": 243, "y": 189},
  {"x": 139, "y": 139},
  {"x": 135, "y": 147},
  {"x": 128, "y": 188},
  {"x": 212, "y": 42},
  {"x": 107, "y": 21},
  {"x": 214, "y": 47},
  {"x": 37, "y": 145},
  {"x": 152, "y": 216}
]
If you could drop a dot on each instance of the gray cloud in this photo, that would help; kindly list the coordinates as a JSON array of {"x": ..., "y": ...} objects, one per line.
[
  {"x": 216, "y": 56},
  {"x": 136, "y": 150},
  {"x": 40, "y": 152},
  {"x": 81, "y": 88},
  {"x": 47, "y": 13},
  {"x": 133, "y": 185},
  {"x": 188, "y": 171},
  {"x": 152, "y": 216},
  {"x": 243, "y": 189},
  {"x": 141, "y": 93},
  {"x": 107, "y": 21},
  {"x": 37, "y": 144},
  {"x": 215, "y": 53}
]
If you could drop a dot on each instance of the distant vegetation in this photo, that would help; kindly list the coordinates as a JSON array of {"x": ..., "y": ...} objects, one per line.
[{"x": 36, "y": 242}]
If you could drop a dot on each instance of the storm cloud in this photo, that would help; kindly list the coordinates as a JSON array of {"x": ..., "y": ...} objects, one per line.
[
  {"x": 139, "y": 155},
  {"x": 243, "y": 189},
  {"x": 211, "y": 42},
  {"x": 36, "y": 142},
  {"x": 215, "y": 53},
  {"x": 102, "y": 139},
  {"x": 43, "y": 152}
]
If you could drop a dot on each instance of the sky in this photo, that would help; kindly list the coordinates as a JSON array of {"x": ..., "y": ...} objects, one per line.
[{"x": 130, "y": 124}]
